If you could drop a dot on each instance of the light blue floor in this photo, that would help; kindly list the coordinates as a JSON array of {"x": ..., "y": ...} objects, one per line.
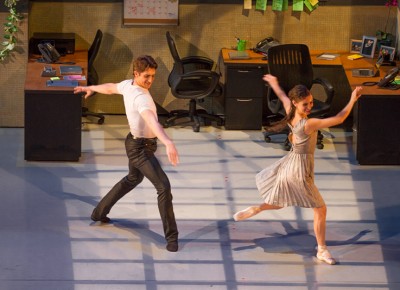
[{"x": 48, "y": 242}]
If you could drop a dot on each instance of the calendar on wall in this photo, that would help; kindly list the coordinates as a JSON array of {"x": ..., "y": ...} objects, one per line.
[{"x": 151, "y": 12}]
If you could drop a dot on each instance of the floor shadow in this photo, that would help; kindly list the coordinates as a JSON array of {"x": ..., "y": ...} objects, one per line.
[{"x": 298, "y": 242}]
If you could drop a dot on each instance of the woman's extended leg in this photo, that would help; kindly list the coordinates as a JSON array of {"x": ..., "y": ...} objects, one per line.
[
  {"x": 253, "y": 210},
  {"x": 320, "y": 229}
]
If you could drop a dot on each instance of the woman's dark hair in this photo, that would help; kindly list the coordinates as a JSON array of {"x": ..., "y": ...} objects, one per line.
[
  {"x": 297, "y": 94},
  {"x": 143, "y": 62}
]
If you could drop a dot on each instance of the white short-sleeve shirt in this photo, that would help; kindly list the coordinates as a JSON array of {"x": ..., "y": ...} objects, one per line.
[{"x": 137, "y": 100}]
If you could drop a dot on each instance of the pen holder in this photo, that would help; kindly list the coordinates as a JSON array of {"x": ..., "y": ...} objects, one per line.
[{"x": 241, "y": 45}]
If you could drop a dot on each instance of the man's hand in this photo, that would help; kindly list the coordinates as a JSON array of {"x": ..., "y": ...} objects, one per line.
[
  {"x": 88, "y": 92},
  {"x": 172, "y": 154}
]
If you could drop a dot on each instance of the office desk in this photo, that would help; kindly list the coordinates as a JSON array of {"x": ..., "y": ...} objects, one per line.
[
  {"x": 376, "y": 136},
  {"x": 375, "y": 116},
  {"x": 53, "y": 115},
  {"x": 245, "y": 91}
]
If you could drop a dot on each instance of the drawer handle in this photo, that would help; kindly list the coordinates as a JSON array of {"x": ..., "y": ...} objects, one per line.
[
  {"x": 243, "y": 71},
  {"x": 244, "y": 100}
]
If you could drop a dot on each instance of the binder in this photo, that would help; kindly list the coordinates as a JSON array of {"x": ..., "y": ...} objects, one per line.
[
  {"x": 70, "y": 70},
  {"x": 62, "y": 83}
]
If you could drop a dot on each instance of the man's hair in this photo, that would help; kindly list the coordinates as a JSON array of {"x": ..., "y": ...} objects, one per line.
[{"x": 143, "y": 62}]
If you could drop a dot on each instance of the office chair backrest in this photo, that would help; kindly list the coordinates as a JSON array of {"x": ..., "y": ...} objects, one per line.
[
  {"x": 92, "y": 54},
  {"x": 172, "y": 48},
  {"x": 291, "y": 64},
  {"x": 94, "y": 47},
  {"x": 178, "y": 68}
]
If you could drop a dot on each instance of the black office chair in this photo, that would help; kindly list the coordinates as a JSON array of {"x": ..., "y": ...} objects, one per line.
[
  {"x": 192, "y": 78},
  {"x": 93, "y": 77},
  {"x": 291, "y": 64}
]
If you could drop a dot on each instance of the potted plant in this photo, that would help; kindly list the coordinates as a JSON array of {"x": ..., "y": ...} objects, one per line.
[
  {"x": 384, "y": 37},
  {"x": 10, "y": 29}
]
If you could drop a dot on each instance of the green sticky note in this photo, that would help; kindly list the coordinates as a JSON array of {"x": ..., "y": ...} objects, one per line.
[
  {"x": 309, "y": 5},
  {"x": 277, "y": 5},
  {"x": 261, "y": 5},
  {"x": 55, "y": 78},
  {"x": 298, "y": 5},
  {"x": 285, "y": 5}
]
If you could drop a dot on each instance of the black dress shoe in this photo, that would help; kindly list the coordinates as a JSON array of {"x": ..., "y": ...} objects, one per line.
[
  {"x": 104, "y": 220},
  {"x": 172, "y": 246}
]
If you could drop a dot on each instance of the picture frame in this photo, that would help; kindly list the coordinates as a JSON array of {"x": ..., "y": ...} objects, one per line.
[
  {"x": 355, "y": 45},
  {"x": 386, "y": 53},
  {"x": 368, "y": 46}
]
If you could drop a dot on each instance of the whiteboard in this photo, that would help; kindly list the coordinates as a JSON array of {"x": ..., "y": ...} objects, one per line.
[{"x": 151, "y": 12}]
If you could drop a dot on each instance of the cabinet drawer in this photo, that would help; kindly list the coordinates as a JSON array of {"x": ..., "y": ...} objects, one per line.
[
  {"x": 243, "y": 114},
  {"x": 245, "y": 82}
]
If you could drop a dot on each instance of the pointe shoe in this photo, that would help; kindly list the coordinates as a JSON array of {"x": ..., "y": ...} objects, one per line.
[
  {"x": 246, "y": 213},
  {"x": 324, "y": 255}
]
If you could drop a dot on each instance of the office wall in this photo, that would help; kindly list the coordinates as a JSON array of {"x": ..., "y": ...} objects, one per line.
[
  {"x": 204, "y": 29},
  {"x": 12, "y": 78}
]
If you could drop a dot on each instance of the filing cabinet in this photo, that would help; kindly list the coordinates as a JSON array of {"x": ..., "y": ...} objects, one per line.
[{"x": 244, "y": 94}]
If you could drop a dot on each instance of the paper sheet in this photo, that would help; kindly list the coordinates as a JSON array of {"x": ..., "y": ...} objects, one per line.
[
  {"x": 277, "y": 5},
  {"x": 310, "y": 6},
  {"x": 261, "y": 5},
  {"x": 144, "y": 12},
  {"x": 298, "y": 5},
  {"x": 246, "y": 4}
]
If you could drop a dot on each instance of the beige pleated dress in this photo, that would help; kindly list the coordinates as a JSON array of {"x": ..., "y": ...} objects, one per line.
[{"x": 290, "y": 180}]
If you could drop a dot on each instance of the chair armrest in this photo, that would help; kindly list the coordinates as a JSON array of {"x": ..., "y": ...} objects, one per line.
[
  {"x": 328, "y": 88},
  {"x": 198, "y": 62},
  {"x": 273, "y": 103},
  {"x": 198, "y": 92}
]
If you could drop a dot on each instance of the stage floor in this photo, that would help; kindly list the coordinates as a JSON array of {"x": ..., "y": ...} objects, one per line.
[{"x": 48, "y": 241}]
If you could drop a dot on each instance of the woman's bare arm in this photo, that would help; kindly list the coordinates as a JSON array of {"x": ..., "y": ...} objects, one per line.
[
  {"x": 274, "y": 84},
  {"x": 314, "y": 124}
]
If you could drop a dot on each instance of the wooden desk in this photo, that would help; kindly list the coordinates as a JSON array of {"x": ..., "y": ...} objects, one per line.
[
  {"x": 250, "y": 108},
  {"x": 375, "y": 116},
  {"x": 376, "y": 137},
  {"x": 53, "y": 115}
]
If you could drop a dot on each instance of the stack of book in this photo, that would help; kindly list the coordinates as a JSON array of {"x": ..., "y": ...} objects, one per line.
[{"x": 70, "y": 70}]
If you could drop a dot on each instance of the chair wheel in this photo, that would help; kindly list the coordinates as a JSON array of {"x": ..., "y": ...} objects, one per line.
[
  {"x": 287, "y": 147},
  {"x": 320, "y": 146},
  {"x": 207, "y": 122},
  {"x": 196, "y": 128},
  {"x": 267, "y": 139},
  {"x": 100, "y": 121}
]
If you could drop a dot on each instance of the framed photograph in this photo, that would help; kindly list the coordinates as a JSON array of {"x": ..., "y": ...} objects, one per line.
[
  {"x": 386, "y": 53},
  {"x": 368, "y": 46},
  {"x": 355, "y": 45}
]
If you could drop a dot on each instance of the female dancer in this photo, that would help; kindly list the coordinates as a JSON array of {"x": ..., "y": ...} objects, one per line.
[{"x": 290, "y": 180}]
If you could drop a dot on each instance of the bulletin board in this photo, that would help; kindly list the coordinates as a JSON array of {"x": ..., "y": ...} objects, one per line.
[{"x": 151, "y": 12}]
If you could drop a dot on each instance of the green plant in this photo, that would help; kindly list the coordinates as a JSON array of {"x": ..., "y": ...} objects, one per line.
[
  {"x": 385, "y": 35},
  {"x": 10, "y": 29}
]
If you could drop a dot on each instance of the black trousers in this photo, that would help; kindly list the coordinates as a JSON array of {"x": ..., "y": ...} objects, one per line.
[{"x": 143, "y": 163}]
